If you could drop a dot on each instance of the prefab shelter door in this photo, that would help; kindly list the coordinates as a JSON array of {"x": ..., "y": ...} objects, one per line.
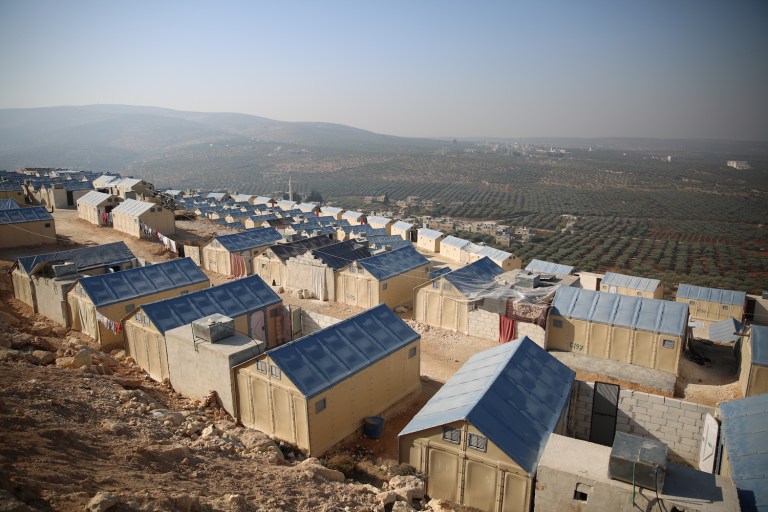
[
  {"x": 257, "y": 326},
  {"x": 605, "y": 406}
]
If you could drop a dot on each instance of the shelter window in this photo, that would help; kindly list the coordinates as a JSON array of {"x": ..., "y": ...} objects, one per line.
[
  {"x": 452, "y": 435},
  {"x": 261, "y": 366},
  {"x": 478, "y": 442},
  {"x": 319, "y": 405},
  {"x": 436, "y": 285},
  {"x": 129, "y": 308},
  {"x": 263, "y": 265},
  {"x": 384, "y": 286},
  {"x": 275, "y": 372},
  {"x": 557, "y": 323},
  {"x": 725, "y": 308},
  {"x": 668, "y": 343},
  {"x": 692, "y": 302},
  {"x": 47, "y": 224},
  {"x": 581, "y": 493},
  {"x": 139, "y": 318},
  {"x": 639, "y": 293},
  {"x": 411, "y": 352}
]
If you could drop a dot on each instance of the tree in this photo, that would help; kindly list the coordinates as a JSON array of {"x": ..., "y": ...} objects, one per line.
[{"x": 315, "y": 197}]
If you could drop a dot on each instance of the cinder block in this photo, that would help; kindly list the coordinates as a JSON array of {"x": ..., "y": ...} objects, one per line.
[
  {"x": 694, "y": 415},
  {"x": 674, "y": 424},
  {"x": 621, "y": 427},
  {"x": 674, "y": 414},
  {"x": 685, "y": 420},
  {"x": 660, "y": 408},
  {"x": 690, "y": 442},
  {"x": 627, "y": 401},
  {"x": 671, "y": 431},
  {"x": 641, "y": 417},
  {"x": 640, "y": 410},
  {"x": 688, "y": 406},
  {"x": 672, "y": 402},
  {"x": 656, "y": 399}
]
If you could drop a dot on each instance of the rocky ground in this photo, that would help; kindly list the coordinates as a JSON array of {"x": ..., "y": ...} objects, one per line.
[{"x": 81, "y": 429}]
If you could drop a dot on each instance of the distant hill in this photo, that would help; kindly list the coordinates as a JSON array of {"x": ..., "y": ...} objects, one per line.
[{"x": 100, "y": 137}]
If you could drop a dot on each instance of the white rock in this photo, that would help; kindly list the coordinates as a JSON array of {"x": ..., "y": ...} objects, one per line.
[{"x": 102, "y": 502}]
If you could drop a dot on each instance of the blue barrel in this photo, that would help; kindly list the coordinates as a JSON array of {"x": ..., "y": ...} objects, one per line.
[{"x": 373, "y": 427}]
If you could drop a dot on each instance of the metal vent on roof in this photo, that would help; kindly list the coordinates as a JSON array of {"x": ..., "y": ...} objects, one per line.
[
  {"x": 64, "y": 269},
  {"x": 212, "y": 328},
  {"x": 638, "y": 461}
]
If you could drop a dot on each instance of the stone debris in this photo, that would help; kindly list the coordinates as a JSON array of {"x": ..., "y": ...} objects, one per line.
[
  {"x": 435, "y": 505},
  {"x": 313, "y": 469},
  {"x": 408, "y": 487},
  {"x": 102, "y": 502}
]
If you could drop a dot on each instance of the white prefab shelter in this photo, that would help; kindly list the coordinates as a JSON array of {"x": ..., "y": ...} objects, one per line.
[
  {"x": 351, "y": 216},
  {"x": 479, "y": 439},
  {"x": 377, "y": 222},
  {"x": 429, "y": 239},
  {"x": 95, "y": 207},
  {"x": 635, "y": 330},
  {"x": 453, "y": 247},
  {"x": 402, "y": 229},
  {"x": 631, "y": 285},
  {"x": 332, "y": 211},
  {"x": 132, "y": 216},
  {"x": 712, "y": 304},
  {"x": 317, "y": 390}
]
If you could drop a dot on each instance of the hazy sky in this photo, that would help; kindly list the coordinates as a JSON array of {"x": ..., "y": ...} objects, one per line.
[{"x": 508, "y": 68}]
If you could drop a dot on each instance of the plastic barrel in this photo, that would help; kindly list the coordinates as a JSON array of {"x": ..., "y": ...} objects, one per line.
[{"x": 373, "y": 427}]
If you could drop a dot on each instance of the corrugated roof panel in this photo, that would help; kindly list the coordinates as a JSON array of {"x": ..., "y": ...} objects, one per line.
[
  {"x": 378, "y": 221},
  {"x": 495, "y": 254},
  {"x": 331, "y": 210},
  {"x": 321, "y": 360},
  {"x": 8, "y": 204},
  {"x": 744, "y": 433},
  {"x": 139, "y": 282},
  {"x": 453, "y": 241},
  {"x": 285, "y": 204},
  {"x": 94, "y": 198},
  {"x": 429, "y": 234},
  {"x": 105, "y": 180},
  {"x": 475, "y": 276},
  {"x": 759, "y": 340},
  {"x": 438, "y": 272},
  {"x": 725, "y": 331},
  {"x": 393, "y": 241},
  {"x": 632, "y": 312},
  {"x": 22, "y": 215},
  {"x": 402, "y": 226},
  {"x": 514, "y": 394},
  {"x": 633, "y": 283},
  {"x": 716, "y": 295},
  {"x": 249, "y": 239},
  {"x": 85, "y": 258},
  {"x": 134, "y": 208},
  {"x": 351, "y": 216},
  {"x": 341, "y": 254},
  {"x": 291, "y": 249},
  {"x": 393, "y": 263},
  {"x": 232, "y": 299},
  {"x": 549, "y": 267}
]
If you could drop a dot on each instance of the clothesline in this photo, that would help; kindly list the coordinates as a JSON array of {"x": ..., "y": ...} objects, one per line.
[
  {"x": 153, "y": 233},
  {"x": 115, "y": 327}
]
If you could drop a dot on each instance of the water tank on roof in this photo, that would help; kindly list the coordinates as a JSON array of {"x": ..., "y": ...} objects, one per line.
[
  {"x": 638, "y": 461},
  {"x": 213, "y": 328},
  {"x": 528, "y": 280}
]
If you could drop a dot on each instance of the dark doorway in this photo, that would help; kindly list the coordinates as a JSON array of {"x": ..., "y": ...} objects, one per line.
[{"x": 605, "y": 406}]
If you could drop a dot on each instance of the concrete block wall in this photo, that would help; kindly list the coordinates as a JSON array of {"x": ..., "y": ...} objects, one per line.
[
  {"x": 677, "y": 423},
  {"x": 483, "y": 324},
  {"x": 311, "y": 321},
  {"x": 533, "y": 331}
]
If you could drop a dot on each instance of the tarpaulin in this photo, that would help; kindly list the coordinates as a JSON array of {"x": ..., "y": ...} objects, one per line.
[{"x": 506, "y": 329}]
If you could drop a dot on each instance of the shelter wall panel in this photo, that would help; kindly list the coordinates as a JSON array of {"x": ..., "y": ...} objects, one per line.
[
  {"x": 667, "y": 359},
  {"x": 442, "y": 474},
  {"x": 481, "y": 483},
  {"x": 515, "y": 494},
  {"x": 620, "y": 344},
  {"x": 432, "y": 308},
  {"x": 450, "y": 314},
  {"x": 643, "y": 351},
  {"x": 560, "y": 338},
  {"x": 244, "y": 399},
  {"x": 283, "y": 414},
  {"x": 758, "y": 381},
  {"x": 598, "y": 340}
]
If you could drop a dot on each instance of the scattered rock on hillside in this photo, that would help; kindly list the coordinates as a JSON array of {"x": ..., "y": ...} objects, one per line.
[{"x": 103, "y": 501}]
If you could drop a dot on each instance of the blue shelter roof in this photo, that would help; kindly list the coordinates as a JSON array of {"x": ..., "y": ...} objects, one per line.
[
  {"x": 8, "y": 204},
  {"x": 474, "y": 277},
  {"x": 21, "y": 215},
  {"x": 653, "y": 315},
  {"x": 85, "y": 258},
  {"x": 139, "y": 282},
  {"x": 319, "y": 361},
  {"x": 744, "y": 433},
  {"x": 393, "y": 263},
  {"x": 691, "y": 292},
  {"x": 291, "y": 249},
  {"x": 341, "y": 254},
  {"x": 759, "y": 340},
  {"x": 232, "y": 299},
  {"x": 514, "y": 394},
  {"x": 249, "y": 239},
  {"x": 547, "y": 267},
  {"x": 393, "y": 241},
  {"x": 633, "y": 283}
]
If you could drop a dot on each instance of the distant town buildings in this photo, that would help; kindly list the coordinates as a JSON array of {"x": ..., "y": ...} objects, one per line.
[{"x": 739, "y": 164}]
